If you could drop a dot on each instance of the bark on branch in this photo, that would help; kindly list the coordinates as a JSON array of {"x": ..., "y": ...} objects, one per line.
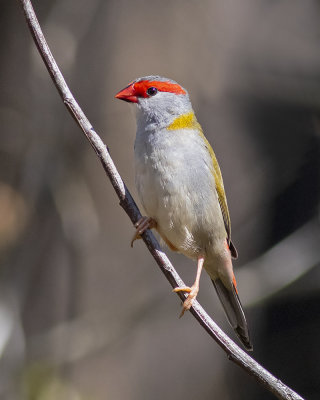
[{"x": 234, "y": 353}]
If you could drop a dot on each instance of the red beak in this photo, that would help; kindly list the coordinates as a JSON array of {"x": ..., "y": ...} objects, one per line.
[{"x": 128, "y": 94}]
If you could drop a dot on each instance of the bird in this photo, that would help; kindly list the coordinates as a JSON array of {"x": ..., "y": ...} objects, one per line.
[{"x": 180, "y": 186}]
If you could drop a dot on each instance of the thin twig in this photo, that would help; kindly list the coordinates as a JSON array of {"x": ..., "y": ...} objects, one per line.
[{"x": 234, "y": 353}]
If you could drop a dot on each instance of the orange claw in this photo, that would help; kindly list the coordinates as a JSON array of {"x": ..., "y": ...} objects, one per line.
[
  {"x": 142, "y": 225},
  {"x": 193, "y": 290}
]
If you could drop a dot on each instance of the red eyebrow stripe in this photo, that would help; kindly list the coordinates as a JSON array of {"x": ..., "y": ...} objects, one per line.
[{"x": 141, "y": 87}]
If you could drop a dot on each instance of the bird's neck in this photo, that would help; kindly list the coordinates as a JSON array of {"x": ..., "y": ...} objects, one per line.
[{"x": 151, "y": 121}]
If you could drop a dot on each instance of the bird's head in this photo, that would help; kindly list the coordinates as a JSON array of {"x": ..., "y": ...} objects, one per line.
[{"x": 159, "y": 100}]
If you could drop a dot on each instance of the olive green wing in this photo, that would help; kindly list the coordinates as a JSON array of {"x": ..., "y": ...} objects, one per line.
[
  {"x": 219, "y": 184},
  {"x": 221, "y": 197}
]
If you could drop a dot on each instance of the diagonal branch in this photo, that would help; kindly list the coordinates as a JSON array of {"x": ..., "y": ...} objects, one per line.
[{"x": 234, "y": 353}]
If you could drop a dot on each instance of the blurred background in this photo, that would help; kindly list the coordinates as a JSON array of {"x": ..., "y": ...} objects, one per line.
[{"x": 84, "y": 316}]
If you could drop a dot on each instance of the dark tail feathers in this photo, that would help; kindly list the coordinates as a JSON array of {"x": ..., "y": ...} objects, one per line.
[{"x": 234, "y": 312}]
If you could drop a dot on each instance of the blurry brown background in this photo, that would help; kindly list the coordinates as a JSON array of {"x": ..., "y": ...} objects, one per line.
[{"x": 84, "y": 316}]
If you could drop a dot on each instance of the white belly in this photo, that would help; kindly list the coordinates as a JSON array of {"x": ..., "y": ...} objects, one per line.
[{"x": 176, "y": 187}]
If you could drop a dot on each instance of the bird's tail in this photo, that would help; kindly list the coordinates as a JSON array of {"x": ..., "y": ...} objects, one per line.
[{"x": 234, "y": 311}]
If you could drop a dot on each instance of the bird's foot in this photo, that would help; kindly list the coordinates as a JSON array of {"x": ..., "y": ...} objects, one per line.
[
  {"x": 141, "y": 226},
  {"x": 193, "y": 291}
]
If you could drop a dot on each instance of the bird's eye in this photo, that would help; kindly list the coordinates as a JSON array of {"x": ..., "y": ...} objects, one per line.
[{"x": 152, "y": 91}]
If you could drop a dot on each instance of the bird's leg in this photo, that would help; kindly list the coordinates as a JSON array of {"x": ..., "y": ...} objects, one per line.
[
  {"x": 141, "y": 226},
  {"x": 193, "y": 290}
]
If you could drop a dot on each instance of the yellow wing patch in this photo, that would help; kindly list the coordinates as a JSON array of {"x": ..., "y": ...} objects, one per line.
[
  {"x": 189, "y": 121},
  {"x": 185, "y": 121}
]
